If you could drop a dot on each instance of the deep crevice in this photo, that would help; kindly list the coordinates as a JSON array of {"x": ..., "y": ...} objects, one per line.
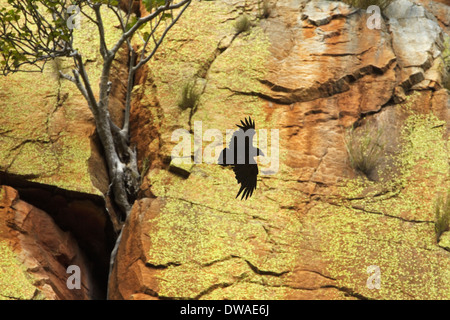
[
  {"x": 265, "y": 272},
  {"x": 162, "y": 266},
  {"x": 348, "y": 292},
  {"x": 83, "y": 215}
]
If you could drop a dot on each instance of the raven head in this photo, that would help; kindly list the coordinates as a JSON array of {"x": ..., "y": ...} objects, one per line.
[{"x": 248, "y": 124}]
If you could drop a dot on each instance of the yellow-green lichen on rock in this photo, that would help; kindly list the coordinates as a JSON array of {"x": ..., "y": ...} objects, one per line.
[
  {"x": 312, "y": 230},
  {"x": 205, "y": 228},
  {"x": 203, "y": 48},
  {"x": 46, "y": 127},
  {"x": 15, "y": 282},
  {"x": 393, "y": 229},
  {"x": 197, "y": 228},
  {"x": 444, "y": 240}
]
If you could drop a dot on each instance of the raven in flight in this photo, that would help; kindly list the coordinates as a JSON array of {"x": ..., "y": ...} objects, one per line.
[{"x": 240, "y": 156}]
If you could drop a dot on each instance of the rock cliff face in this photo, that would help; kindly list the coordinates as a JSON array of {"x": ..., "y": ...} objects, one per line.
[
  {"x": 50, "y": 154},
  {"x": 35, "y": 254},
  {"x": 310, "y": 69}
]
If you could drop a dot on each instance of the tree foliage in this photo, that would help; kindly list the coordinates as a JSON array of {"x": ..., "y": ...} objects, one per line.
[{"x": 32, "y": 31}]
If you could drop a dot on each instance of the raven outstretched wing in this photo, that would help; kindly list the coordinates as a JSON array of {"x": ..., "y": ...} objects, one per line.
[
  {"x": 245, "y": 169},
  {"x": 246, "y": 175}
]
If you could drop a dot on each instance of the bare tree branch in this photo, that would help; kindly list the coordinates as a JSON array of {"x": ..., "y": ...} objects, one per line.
[
  {"x": 87, "y": 86},
  {"x": 142, "y": 62},
  {"x": 101, "y": 31},
  {"x": 131, "y": 72},
  {"x": 36, "y": 31},
  {"x": 146, "y": 19}
]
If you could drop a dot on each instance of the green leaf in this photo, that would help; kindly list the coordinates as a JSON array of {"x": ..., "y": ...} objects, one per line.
[
  {"x": 131, "y": 23},
  {"x": 167, "y": 15},
  {"x": 110, "y": 2},
  {"x": 150, "y": 4}
]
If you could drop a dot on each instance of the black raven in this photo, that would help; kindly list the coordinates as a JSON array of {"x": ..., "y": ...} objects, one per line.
[{"x": 240, "y": 156}]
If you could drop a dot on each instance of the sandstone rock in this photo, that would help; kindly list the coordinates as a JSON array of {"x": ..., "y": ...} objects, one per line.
[
  {"x": 417, "y": 39},
  {"x": 298, "y": 73},
  {"x": 322, "y": 12},
  {"x": 47, "y": 132},
  {"x": 441, "y": 10},
  {"x": 444, "y": 241},
  {"x": 35, "y": 254},
  {"x": 311, "y": 70},
  {"x": 182, "y": 169},
  {"x": 135, "y": 6},
  {"x": 50, "y": 152}
]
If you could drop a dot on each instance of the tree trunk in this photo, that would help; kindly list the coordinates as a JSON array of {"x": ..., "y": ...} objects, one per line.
[{"x": 121, "y": 160}]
